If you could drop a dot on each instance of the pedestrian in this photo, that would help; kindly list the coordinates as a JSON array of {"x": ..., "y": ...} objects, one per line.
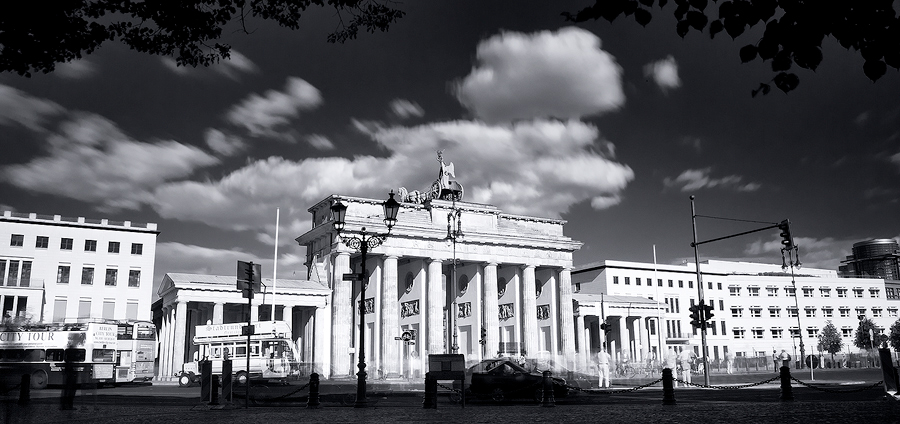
[
  {"x": 686, "y": 358},
  {"x": 671, "y": 362},
  {"x": 775, "y": 359},
  {"x": 603, "y": 359},
  {"x": 729, "y": 362},
  {"x": 785, "y": 358},
  {"x": 70, "y": 380}
]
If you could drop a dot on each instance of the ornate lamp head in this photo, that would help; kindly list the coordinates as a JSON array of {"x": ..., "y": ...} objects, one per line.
[
  {"x": 338, "y": 213},
  {"x": 391, "y": 208}
]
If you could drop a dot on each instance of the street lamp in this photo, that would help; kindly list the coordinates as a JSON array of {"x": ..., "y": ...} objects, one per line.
[
  {"x": 362, "y": 243},
  {"x": 790, "y": 257},
  {"x": 454, "y": 233}
]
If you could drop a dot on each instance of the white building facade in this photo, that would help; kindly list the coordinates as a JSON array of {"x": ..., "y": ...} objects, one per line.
[
  {"x": 754, "y": 306},
  {"x": 58, "y": 269}
]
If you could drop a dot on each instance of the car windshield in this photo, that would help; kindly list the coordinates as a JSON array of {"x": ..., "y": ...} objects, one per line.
[{"x": 505, "y": 367}]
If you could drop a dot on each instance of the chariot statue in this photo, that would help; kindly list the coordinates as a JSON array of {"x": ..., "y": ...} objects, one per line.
[{"x": 442, "y": 188}]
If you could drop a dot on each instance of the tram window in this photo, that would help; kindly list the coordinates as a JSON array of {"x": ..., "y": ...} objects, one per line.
[
  {"x": 34, "y": 355},
  {"x": 75, "y": 355},
  {"x": 55, "y": 355}
]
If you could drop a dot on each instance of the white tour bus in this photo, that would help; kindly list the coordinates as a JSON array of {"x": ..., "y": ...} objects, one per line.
[{"x": 272, "y": 353}]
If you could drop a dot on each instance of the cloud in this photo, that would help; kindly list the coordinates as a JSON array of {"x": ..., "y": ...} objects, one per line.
[
  {"x": 826, "y": 253},
  {"x": 695, "y": 179},
  {"x": 895, "y": 159},
  {"x": 90, "y": 159},
  {"x": 18, "y": 107},
  {"x": 264, "y": 115},
  {"x": 223, "y": 144},
  {"x": 231, "y": 68},
  {"x": 862, "y": 118},
  {"x": 405, "y": 109},
  {"x": 319, "y": 142},
  {"x": 664, "y": 73},
  {"x": 76, "y": 69},
  {"x": 693, "y": 142},
  {"x": 563, "y": 74}
]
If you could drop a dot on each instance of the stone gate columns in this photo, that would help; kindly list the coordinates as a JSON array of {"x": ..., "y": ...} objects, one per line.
[
  {"x": 218, "y": 313},
  {"x": 491, "y": 311},
  {"x": 180, "y": 328},
  {"x": 342, "y": 317},
  {"x": 390, "y": 319},
  {"x": 529, "y": 311},
  {"x": 165, "y": 345},
  {"x": 624, "y": 338},
  {"x": 435, "y": 307},
  {"x": 584, "y": 352},
  {"x": 640, "y": 340},
  {"x": 566, "y": 317}
]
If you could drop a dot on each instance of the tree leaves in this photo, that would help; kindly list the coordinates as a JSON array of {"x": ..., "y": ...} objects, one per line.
[
  {"x": 748, "y": 53},
  {"x": 874, "y": 69},
  {"x": 786, "y": 82},
  {"x": 642, "y": 16}
]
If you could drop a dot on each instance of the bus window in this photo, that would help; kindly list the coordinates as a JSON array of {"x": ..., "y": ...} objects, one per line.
[
  {"x": 124, "y": 333},
  {"x": 240, "y": 351},
  {"x": 145, "y": 333},
  {"x": 13, "y": 355},
  {"x": 216, "y": 352},
  {"x": 75, "y": 355},
  {"x": 56, "y": 355},
  {"x": 34, "y": 355},
  {"x": 104, "y": 355},
  {"x": 254, "y": 350}
]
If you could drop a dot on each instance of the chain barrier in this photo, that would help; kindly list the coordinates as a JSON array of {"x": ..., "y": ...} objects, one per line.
[
  {"x": 612, "y": 392},
  {"x": 742, "y": 386},
  {"x": 822, "y": 389},
  {"x": 457, "y": 391},
  {"x": 274, "y": 399}
]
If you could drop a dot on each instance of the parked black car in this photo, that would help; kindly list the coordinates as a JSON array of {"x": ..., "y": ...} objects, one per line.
[{"x": 502, "y": 379}]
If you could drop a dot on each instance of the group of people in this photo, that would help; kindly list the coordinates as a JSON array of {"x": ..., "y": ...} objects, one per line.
[{"x": 683, "y": 362}]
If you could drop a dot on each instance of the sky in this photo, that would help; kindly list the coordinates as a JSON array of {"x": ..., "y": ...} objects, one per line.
[{"x": 610, "y": 126}]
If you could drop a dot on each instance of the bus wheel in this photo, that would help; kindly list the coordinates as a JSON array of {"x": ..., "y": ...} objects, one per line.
[
  {"x": 185, "y": 380},
  {"x": 241, "y": 378},
  {"x": 39, "y": 379}
]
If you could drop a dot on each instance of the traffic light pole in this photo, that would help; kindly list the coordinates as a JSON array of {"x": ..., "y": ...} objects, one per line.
[{"x": 704, "y": 351}]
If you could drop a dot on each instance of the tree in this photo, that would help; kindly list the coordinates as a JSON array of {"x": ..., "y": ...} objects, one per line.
[
  {"x": 794, "y": 30},
  {"x": 863, "y": 338},
  {"x": 42, "y": 34},
  {"x": 894, "y": 338},
  {"x": 830, "y": 340}
]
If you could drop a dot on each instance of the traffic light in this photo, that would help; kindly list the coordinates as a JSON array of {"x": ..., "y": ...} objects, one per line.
[
  {"x": 605, "y": 327},
  {"x": 707, "y": 314},
  {"x": 787, "y": 238},
  {"x": 696, "y": 321},
  {"x": 483, "y": 339}
]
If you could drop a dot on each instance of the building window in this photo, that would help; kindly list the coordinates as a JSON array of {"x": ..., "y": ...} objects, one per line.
[
  {"x": 876, "y": 312},
  {"x": 860, "y": 312},
  {"x": 637, "y": 281},
  {"x": 738, "y": 333},
  {"x": 90, "y": 245},
  {"x": 87, "y": 276},
  {"x": 755, "y": 312},
  {"x": 134, "y": 278},
  {"x": 736, "y": 312},
  {"x": 131, "y": 310},
  {"x": 890, "y": 293},
  {"x": 774, "y": 312},
  {"x": 84, "y": 308},
  {"x": 757, "y": 333},
  {"x": 65, "y": 244},
  {"x": 792, "y": 312},
  {"x": 807, "y": 292},
  {"x": 847, "y": 332},
  {"x": 113, "y": 247},
  {"x": 615, "y": 279},
  {"x": 659, "y": 282},
  {"x": 825, "y": 292},
  {"x": 137, "y": 249},
  {"x": 873, "y": 292},
  {"x": 753, "y": 291},
  {"x": 62, "y": 274},
  {"x": 810, "y": 312},
  {"x": 680, "y": 284},
  {"x": 627, "y": 281},
  {"x": 42, "y": 242},
  {"x": 794, "y": 331},
  {"x": 845, "y": 312},
  {"x": 59, "y": 309},
  {"x": 857, "y": 293},
  {"x": 690, "y": 284},
  {"x": 709, "y": 284},
  {"x": 772, "y": 291},
  {"x": 721, "y": 305},
  {"x": 111, "y": 276},
  {"x": 827, "y": 312},
  {"x": 734, "y": 291},
  {"x": 842, "y": 292},
  {"x": 719, "y": 286},
  {"x": 812, "y": 332},
  {"x": 109, "y": 309},
  {"x": 892, "y": 312},
  {"x": 670, "y": 283},
  {"x": 17, "y": 240},
  {"x": 776, "y": 333}
]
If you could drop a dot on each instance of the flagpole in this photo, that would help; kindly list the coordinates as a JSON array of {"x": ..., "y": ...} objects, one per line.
[
  {"x": 275, "y": 267},
  {"x": 659, "y": 354}
]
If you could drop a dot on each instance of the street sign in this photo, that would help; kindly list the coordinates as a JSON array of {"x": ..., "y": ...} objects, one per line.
[
  {"x": 250, "y": 274},
  {"x": 247, "y": 330},
  {"x": 407, "y": 336}
]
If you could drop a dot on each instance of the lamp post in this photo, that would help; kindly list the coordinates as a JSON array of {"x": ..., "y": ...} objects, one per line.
[
  {"x": 454, "y": 233},
  {"x": 363, "y": 242},
  {"x": 790, "y": 257}
]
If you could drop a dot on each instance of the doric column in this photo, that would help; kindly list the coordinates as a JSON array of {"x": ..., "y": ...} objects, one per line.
[
  {"x": 218, "y": 313},
  {"x": 323, "y": 354},
  {"x": 165, "y": 347},
  {"x": 287, "y": 315},
  {"x": 342, "y": 317},
  {"x": 390, "y": 318},
  {"x": 584, "y": 352},
  {"x": 529, "y": 311},
  {"x": 491, "y": 311},
  {"x": 180, "y": 341},
  {"x": 624, "y": 339},
  {"x": 435, "y": 307},
  {"x": 566, "y": 316},
  {"x": 640, "y": 340}
]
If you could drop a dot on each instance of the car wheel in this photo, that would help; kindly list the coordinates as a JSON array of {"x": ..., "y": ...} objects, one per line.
[
  {"x": 497, "y": 395},
  {"x": 185, "y": 379},
  {"x": 241, "y": 378},
  {"x": 39, "y": 379}
]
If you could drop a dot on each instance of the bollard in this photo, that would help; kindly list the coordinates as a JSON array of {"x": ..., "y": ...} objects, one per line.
[
  {"x": 25, "y": 390},
  {"x": 205, "y": 378},
  {"x": 786, "y": 393},
  {"x": 214, "y": 393},
  {"x": 313, "y": 401},
  {"x": 548, "y": 400},
  {"x": 430, "y": 392},
  {"x": 227, "y": 382},
  {"x": 668, "y": 387}
]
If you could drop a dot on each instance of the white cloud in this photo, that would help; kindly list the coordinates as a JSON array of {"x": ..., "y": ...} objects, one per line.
[
  {"x": 405, "y": 109},
  {"x": 696, "y": 179},
  {"x": 267, "y": 115},
  {"x": 92, "y": 160},
  {"x": 319, "y": 142},
  {"x": 76, "y": 69},
  {"x": 231, "y": 68},
  {"x": 563, "y": 74},
  {"x": 664, "y": 73},
  {"x": 895, "y": 158},
  {"x": 826, "y": 253},
  {"x": 18, "y": 107},
  {"x": 223, "y": 144}
]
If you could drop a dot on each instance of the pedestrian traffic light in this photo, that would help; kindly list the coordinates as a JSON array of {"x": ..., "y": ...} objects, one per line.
[
  {"x": 696, "y": 321},
  {"x": 707, "y": 314},
  {"x": 787, "y": 239}
]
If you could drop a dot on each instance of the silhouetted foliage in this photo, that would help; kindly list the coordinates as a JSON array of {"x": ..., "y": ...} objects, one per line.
[
  {"x": 863, "y": 340},
  {"x": 830, "y": 339},
  {"x": 39, "y": 34},
  {"x": 794, "y": 29},
  {"x": 894, "y": 339}
]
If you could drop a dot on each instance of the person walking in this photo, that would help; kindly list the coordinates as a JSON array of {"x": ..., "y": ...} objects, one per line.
[
  {"x": 729, "y": 362},
  {"x": 671, "y": 362},
  {"x": 686, "y": 358},
  {"x": 785, "y": 358},
  {"x": 603, "y": 359}
]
